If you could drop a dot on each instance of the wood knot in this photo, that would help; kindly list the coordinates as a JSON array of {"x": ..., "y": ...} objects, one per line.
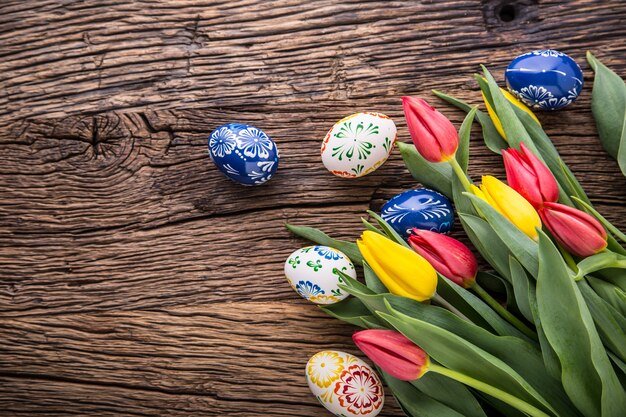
[
  {"x": 96, "y": 140},
  {"x": 502, "y": 14}
]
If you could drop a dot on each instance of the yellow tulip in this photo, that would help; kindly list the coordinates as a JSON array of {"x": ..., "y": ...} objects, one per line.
[
  {"x": 510, "y": 204},
  {"x": 403, "y": 271},
  {"x": 513, "y": 100}
]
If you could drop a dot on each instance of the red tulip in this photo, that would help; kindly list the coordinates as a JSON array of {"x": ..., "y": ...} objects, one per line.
[
  {"x": 527, "y": 175},
  {"x": 447, "y": 255},
  {"x": 433, "y": 134},
  {"x": 578, "y": 232},
  {"x": 393, "y": 353}
]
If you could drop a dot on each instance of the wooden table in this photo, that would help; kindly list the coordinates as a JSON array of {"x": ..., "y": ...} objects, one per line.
[{"x": 134, "y": 278}]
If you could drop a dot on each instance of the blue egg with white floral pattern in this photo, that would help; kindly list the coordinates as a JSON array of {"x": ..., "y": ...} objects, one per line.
[
  {"x": 545, "y": 79},
  {"x": 243, "y": 153},
  {"x": 421, "y": 208}
]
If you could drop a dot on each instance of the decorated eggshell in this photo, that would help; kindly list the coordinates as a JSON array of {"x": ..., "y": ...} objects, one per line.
[
  {"x": 421, "y": 208},
  {"x": 546, "y": 79},
  {"x": 344, "y": 384},
  {"x": 358, "y": 144},
  {"x": 243, "y": 153},
  {"x": 312, "y": 273}
]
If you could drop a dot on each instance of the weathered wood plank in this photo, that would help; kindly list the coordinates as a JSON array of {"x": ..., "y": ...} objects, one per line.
[{"x": 231, "y": 359}]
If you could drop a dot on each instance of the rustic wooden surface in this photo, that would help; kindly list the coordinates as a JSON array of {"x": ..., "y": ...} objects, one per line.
[{"x": 134, "y": 278}]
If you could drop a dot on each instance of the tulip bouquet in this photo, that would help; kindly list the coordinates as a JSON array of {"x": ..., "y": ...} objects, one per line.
[{"x": 556, "y": 346}]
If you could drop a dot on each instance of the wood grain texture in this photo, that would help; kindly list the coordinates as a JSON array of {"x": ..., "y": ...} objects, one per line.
[{"x": 134, "y": 278}]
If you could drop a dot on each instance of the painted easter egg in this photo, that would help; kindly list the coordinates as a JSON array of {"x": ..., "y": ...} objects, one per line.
[
  {"x": 344, "y": 384},
  {"x": 546, "y": 79},
  {"x": 243, "y": 153},
  {"x": 421, "y": 208},
  {"x": 312, "y": 273},
  {"x": 358, "y": 144}
]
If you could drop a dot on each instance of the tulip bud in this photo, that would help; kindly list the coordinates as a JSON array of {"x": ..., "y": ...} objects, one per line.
[
  {"x": 527, "y": 175},
  {"x": 401, "y": 270},
  {"x": 578, "y": 232},
  {"x": 447, "y": 255},
  {"x": 433, "y": 134},
  {"x": 510, "y": 204},
  {"x": 393, "y": 353},
  {"x": 513, "y": 100}
]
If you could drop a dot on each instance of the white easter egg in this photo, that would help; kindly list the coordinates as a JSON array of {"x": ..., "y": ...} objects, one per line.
[
  {"x": 312, "y": 272},
  {"x": 358, "y": 144},
  {"x": 344, "y": 384}
]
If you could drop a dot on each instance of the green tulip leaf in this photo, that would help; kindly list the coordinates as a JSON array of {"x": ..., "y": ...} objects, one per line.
[
  {"x": 372, "y": 281},
  {"x": 501, "y": 326},
  {"x": 370, "y": 226},
  {"x": 522, "y": 287},
  {"x": 599, "y": 261},
  {"x": 512, "y": 126},
  {"x": 433, "y": 175},
  {"x": 609, "y": 322},
  {"x": 621, "y": 153},
  {"x": 520, "y": 245},
  {"x": 451, "y": 393},
  {"x": 487, "y": 242},
  {"x": 352, "y": 310},
  {"x": 491, "y": 137},
  {"x": 414, "y": 402},
  {"x": 608, "y": 104},
  {"x": 586, "y": 373},
  {"x": 462, "y": 153},
  {"x": 458, "y": 354},
  {"x": 611, "y": 293},
  {"x": 389, "y": 231},
  {"x": 350, "y": 249}
]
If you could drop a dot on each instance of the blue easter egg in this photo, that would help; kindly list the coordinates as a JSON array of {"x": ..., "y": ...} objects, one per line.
[
  {"x": 546, "y": 79},
  {"x": 243, "y": 153},
  {"x": 421, "y": 208}
]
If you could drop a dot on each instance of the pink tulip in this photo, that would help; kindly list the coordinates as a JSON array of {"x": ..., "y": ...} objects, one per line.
[
  {"x": 433, "y": 134},
  {"x": 447, "y": 255},
  {"x": 578, "y": 232},
  {"x": 527, "y": 175},
  {"x": 393, "y": 353}
]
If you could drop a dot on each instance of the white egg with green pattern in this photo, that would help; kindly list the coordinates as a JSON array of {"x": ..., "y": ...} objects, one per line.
[
  {"x": 344, "y": 384},
  {"x": 358, "y": 144},
  {"x": 312, "y": 273}
]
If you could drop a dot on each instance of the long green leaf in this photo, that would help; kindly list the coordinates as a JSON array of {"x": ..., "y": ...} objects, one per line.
[
  {"x": 599, "y": 261},
  {"x": 520, "y": 245},
  {"x": 521, "y": 288},
  {"x": 372, "y": 281},
  {"x": 350, "y": 249},
  {"x": 451, "y": 393},
  {"x": 491, "y": 137},
  {"x": 609, "y": 322},
  {"x": 414, "y": 402},
  {"x": 586, "y": 372},
  {"x": 621, "y": 152},
  {"x": 389, "y": 231},
  {"x": 462, "y": 153},
  {"x": 352, "y": 310},
  {"x": 609, "y": 292},
  {"x": 458, "y": 354},
  {"x": 436, "y": 176},
  {"x": 608, "y": 104}
]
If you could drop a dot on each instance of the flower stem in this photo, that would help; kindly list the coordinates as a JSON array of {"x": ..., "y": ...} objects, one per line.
[
  {"x": 490, "y": 390},
  {"x": 460, "y": 174},
  {"x": 441, "y": 301},
  {"x": 503, "y": 312}
]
